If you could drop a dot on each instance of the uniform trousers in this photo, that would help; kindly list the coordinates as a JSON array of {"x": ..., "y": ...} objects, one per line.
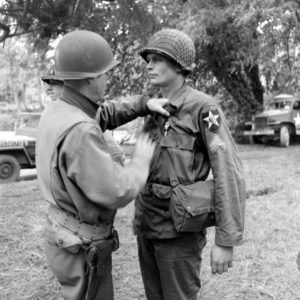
[
  {"x": 72, "y": 273},
  {"x": 170, "y": 268}
]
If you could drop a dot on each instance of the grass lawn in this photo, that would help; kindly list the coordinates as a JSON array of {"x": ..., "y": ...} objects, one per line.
[{"x": 264, "y": 267}]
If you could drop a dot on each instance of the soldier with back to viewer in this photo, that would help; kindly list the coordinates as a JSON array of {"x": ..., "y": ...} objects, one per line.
[{"x": 78, "y": 176}]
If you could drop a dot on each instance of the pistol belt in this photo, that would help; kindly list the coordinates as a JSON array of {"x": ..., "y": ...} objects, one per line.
[{"x": 83, "y": 230}]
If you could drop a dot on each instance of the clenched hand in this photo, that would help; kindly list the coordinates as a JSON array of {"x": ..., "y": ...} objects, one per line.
[{"x": 220, "y": 259}]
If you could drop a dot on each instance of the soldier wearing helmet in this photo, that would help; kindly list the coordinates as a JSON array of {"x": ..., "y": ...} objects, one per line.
[
  {"x": 80, "y": 174},
  {"x": 53, "y": 87},
  {"x": 191, "y": 142}
]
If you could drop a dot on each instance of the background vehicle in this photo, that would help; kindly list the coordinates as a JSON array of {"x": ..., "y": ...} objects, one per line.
[
  {"x": 279, "y": 122},
  {"x": 17, "y": 148}
]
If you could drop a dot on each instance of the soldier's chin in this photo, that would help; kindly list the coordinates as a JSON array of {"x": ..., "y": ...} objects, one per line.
[{"x": 154, "y": 82}]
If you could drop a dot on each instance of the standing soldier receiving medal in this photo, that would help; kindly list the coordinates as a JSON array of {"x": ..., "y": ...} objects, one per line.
[{"x": 178, "y": 202}]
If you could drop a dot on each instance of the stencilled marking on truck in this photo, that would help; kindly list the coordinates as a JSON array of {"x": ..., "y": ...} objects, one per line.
[{"x": 13, "y": 143}]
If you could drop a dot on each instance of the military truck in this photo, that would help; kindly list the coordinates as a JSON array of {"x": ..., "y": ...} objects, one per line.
[
  {"x": 279, "y": 121},
  {"x": 17, "y": 148}
]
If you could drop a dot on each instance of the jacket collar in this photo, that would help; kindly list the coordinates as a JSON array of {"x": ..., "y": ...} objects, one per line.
[
  {"x": 80, "y": 101},
  {"x": 176, "y": 101}
]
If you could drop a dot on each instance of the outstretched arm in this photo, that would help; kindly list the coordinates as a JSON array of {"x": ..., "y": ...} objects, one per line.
[{"x": 113, "y": 114}]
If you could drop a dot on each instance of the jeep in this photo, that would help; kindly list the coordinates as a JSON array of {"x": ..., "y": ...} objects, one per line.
[
  {"x": 279, "y": 121},
  {"x": 17, "y": 148}
]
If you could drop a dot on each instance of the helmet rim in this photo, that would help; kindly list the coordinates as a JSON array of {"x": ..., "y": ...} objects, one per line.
[
  {"x": 143, "y": 53},
  {"x": 63, "y": 75}
]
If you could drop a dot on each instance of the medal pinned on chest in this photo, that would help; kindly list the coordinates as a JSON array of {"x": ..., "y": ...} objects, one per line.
[{"x": 166, "y": 128}]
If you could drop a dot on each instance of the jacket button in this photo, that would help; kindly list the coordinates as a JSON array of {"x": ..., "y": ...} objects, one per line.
[{"x": 60, "y": 242}]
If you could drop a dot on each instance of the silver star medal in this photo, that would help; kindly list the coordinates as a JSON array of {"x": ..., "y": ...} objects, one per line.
[{"x": 166, "y": 128}]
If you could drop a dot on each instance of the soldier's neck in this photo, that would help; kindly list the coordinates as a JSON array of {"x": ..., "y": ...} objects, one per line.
[{"x": 171, "y": 89}]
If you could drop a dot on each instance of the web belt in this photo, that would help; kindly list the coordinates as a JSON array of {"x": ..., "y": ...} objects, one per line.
[{"x": 84, "y": 230}]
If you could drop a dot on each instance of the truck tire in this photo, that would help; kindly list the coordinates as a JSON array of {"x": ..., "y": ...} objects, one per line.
[
  {"x": 9, "y": 169},
  {"x": 285, "y": 136}
]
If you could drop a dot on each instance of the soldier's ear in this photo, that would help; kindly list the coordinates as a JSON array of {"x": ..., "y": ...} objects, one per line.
[{"x": 178, "y": 69}]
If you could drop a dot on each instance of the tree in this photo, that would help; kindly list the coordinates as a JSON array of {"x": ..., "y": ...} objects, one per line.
[
  {"x": 245, "y": 48},
  {"x": 250, "y": 47},
  {"x": 21, "y": 79}
]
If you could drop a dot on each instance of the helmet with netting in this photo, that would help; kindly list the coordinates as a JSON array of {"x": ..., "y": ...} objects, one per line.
[
  {"x": 175, "y": 45},
  {"x": 82, "y": 54}
]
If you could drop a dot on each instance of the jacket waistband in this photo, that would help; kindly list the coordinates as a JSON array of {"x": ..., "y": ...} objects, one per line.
[{"x": 84, "y": 230}]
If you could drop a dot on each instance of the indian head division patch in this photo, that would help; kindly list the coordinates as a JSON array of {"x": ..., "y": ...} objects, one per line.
[{"x": 212, "y": 119}]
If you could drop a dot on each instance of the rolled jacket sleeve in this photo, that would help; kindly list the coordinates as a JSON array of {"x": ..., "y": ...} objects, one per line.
[
  {"x": 89, "y": 165},
  {"x": 228, "y": 174},
  {"x": 112, "y": 114}
]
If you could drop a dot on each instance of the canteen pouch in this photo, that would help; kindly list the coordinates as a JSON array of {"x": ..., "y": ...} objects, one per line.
[{"x": 192, "y": 206}]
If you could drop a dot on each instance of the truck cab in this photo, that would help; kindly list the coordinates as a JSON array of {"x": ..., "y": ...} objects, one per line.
[
  {"x": 17, "y": 148},
  {"x": 279, "y": 121}
]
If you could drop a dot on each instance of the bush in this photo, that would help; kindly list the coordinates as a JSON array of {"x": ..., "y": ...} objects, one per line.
[{"x": 7, "y": 121}]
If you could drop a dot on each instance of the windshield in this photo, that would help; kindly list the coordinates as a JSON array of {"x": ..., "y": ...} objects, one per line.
[
  {"x": 30, "y": 121},
  {"x": 281, "y": 105}
]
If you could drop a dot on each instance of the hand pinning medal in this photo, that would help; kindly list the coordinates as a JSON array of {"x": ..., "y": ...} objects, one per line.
[{"x": 212, "y": 119}]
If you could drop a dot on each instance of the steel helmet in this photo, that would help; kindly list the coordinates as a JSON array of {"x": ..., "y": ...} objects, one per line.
[
  {"x": 82, "y": 54},
  {"x": 50, "y": 77},
  {"x": 174, "y": 44}
]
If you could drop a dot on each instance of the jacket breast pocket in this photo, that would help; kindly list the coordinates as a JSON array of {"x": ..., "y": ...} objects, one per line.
[{"x": 179, "y": 141}]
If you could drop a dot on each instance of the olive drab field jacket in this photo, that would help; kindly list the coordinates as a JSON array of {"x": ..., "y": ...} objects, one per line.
[
  {"x": 198, "y": 141},
  {"x": 78, "y": 166}
]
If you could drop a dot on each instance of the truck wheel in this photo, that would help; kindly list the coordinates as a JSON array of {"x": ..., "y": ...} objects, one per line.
[
  {"x": 9, "y": 169},
  {"x": 284, "y": 136}
]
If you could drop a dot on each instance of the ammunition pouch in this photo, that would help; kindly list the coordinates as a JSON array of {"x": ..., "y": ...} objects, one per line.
[{"x": 192, "y": 206}]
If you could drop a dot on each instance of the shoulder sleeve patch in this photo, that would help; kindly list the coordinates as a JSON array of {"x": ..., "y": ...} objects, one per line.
[{"x": 211, "y": 119}]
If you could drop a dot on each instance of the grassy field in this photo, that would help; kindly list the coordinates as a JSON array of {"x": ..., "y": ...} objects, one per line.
[{"x": 264, "y": 267}]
